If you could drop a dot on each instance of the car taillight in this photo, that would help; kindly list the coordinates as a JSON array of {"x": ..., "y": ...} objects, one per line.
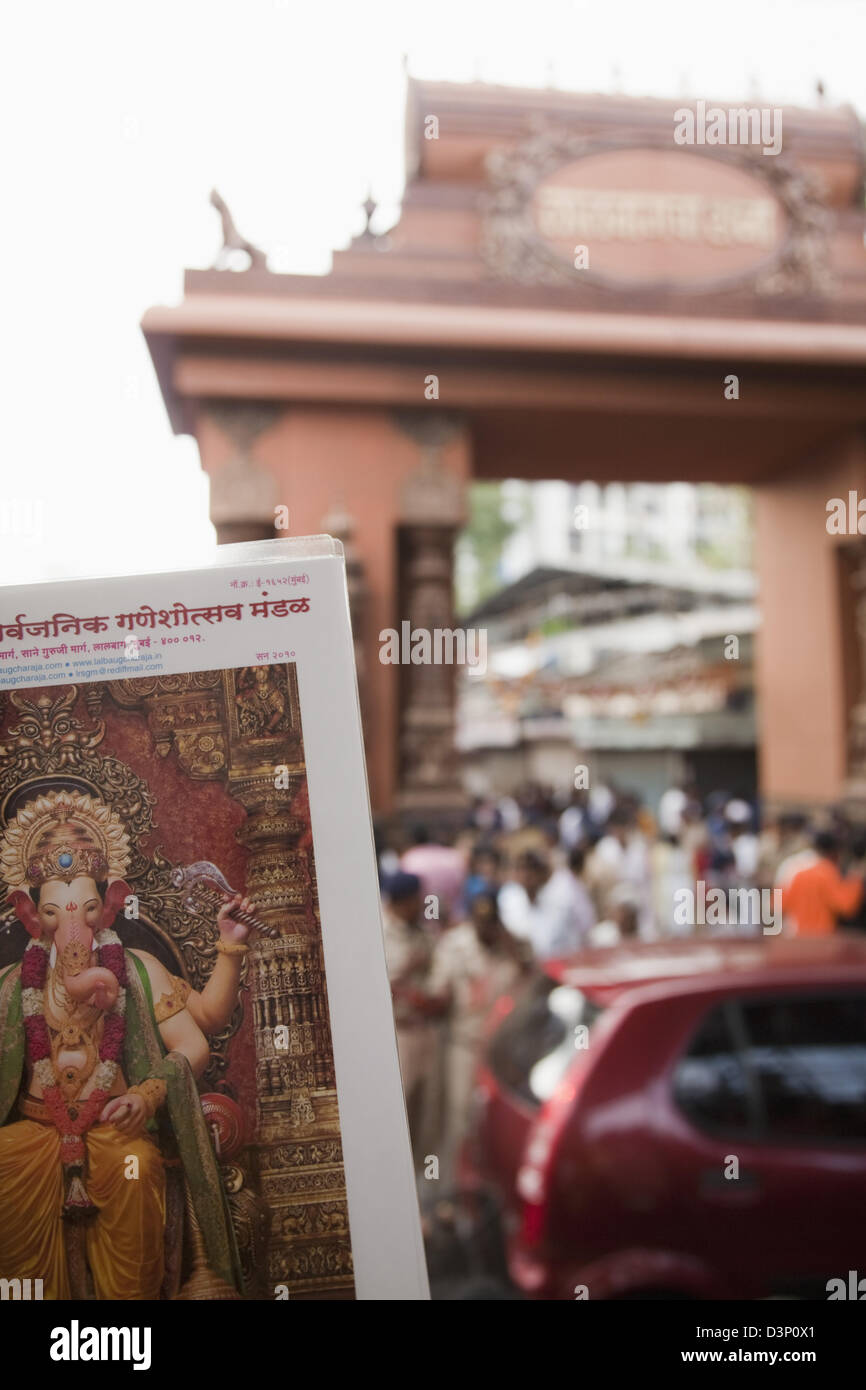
[{"x": 539, "y": 1158}]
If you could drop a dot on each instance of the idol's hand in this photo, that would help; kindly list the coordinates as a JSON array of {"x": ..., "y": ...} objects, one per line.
[
  {"x": 230, "y": 928},
  {"x": 95, "y": 986},
  {"x": 127, "y": 1113}
]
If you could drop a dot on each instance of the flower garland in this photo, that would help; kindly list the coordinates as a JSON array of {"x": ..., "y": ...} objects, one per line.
[{"x": 73, "y": 1121}]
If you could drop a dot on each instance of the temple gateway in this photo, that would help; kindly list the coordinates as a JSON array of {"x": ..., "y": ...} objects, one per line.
[{"x": 570, "y": 292}]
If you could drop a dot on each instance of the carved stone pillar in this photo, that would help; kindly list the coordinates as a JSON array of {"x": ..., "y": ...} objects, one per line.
[
  {"x": 243, "y": 492},
  {"x": 288, "y": 978},
  {"x": 432, "y": 511},
  {"x": 298, "y": 1133}
]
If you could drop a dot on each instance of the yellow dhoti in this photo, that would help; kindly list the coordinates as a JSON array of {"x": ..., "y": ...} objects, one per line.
[{"x": 124, "y": 1243}]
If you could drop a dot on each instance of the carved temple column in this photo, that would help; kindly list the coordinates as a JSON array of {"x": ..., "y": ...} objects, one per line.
[
  {"x": 286, "y": 993},
  {"x": 244, "y": 494},
  {"x": 298, "y": 1133},
  {"x": 432, "y": 510}
]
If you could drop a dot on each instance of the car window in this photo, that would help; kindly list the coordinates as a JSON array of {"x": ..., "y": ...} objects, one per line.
[
  {"x": 711, "y": 1084},
  {"x": 808, "y": 1056},
  {"x": 534, "y": 1046}
]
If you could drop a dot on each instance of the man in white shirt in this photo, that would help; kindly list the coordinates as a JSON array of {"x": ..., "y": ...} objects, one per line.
[
  {"x": 621, "y": 858},
  {"x": 672, "y": 805},
  {"x": 539, "y": 907}
]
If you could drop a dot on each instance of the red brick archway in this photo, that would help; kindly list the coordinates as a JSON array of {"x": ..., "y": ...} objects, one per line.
[{"x": 463, "y": 345}]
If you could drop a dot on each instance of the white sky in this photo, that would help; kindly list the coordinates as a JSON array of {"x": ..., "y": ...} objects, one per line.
[{"x": 118, "y": 120}]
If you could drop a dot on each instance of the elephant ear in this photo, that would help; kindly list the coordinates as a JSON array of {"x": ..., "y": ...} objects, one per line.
[
  {"x": 117, "y": 893},
  {"x": 25, "y": 911}
]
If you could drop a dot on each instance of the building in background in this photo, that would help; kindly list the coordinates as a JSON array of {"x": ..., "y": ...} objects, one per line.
[
  {"x": 667, "y": 532},
  {"x": 647, "y": 684}
]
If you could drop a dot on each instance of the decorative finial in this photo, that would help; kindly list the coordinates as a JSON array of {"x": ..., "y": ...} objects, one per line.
[
  {"x": 369, "y": 206},
  {"x": 232, "y": 239}
]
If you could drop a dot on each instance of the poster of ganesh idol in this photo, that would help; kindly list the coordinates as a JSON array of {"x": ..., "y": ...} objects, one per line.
[{"x": 199, "y": 1089}]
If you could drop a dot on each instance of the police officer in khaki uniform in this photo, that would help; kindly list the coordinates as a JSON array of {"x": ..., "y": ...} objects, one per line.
[
  {"x": 474, "y": 964},
  {"x": 408, "y": 952}
]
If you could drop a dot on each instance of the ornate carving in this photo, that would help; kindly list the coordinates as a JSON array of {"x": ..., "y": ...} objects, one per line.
[
  {"x": 202, "y": 754},
  {"x": 305, "y": 1184},
  {"x": 129, "y": 694},
  {"x": 264, "y": 722},
  {"x": 243, "y": 421},
  {"x": 182, "y": 716},
  {"x": 252, "y": 1219},
  {"x": 232, "y": 239},
  {"x": 430, "y": 429},
  {"x": 315, "y": 1219},
  {"x": 50, "y": 741},
  {"x": 261, "y": 700},
  {"x": 432, "y": 493},
  {"x": 802, "y": 266},
  {"x": 513, "y": 249},
  {"x": 304, "y": 1267},
  {"x": 48, "y": 737},
  {"x": 296, "y": 1183},
  {"x": 428, "y": 760},
  {"x": 295, "y": 1082},
  {"x": 303, "y": 1154},
  {"x": 243, "y": 489}
]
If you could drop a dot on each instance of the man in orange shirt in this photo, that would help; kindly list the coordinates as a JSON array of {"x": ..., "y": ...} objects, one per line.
[{"x": 817, "y": 896}]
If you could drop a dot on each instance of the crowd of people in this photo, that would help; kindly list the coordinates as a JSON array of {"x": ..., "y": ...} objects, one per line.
[{"x": 534, "y": 877}]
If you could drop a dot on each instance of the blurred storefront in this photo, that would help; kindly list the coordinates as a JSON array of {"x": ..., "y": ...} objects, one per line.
[
  {"x": 571, "y": 294},
  {"x": 628, "y": 678}
]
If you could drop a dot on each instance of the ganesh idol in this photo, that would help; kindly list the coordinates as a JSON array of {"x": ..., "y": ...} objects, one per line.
[{"x": 100, "y": 1049}]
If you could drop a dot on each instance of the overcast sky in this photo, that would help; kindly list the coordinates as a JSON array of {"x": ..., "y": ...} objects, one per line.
[{"x": 118, "y": 118}]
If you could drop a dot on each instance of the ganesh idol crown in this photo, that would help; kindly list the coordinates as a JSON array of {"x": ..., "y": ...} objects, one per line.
[{"x": 63, "y": 835}]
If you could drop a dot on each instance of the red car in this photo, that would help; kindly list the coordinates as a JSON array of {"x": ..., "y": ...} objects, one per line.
[{"x": 703, "y": 1136}]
